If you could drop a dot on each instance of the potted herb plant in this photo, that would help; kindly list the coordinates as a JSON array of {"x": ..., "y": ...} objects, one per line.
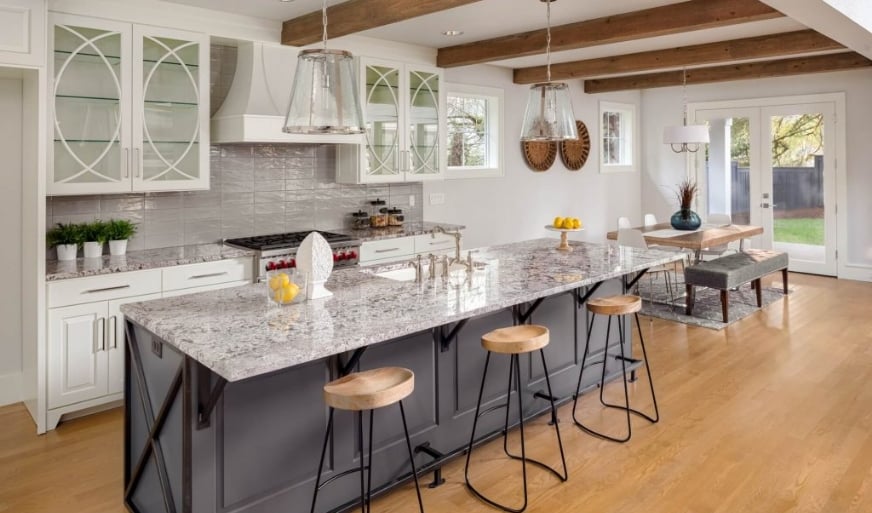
[
  {"x": 95, "y": 238},
  {"x": 65, "y": 238},
  {"x": 118, "y": 231},
  {"x": 685, "y": 218}
]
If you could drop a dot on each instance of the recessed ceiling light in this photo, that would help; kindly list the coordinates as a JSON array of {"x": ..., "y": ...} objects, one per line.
[{"x": 452, "y": 33}]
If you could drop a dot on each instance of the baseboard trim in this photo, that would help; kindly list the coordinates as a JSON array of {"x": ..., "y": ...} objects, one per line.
[
  {"x": 10, "y": 389},
  {"x": 859, "y": 272}
]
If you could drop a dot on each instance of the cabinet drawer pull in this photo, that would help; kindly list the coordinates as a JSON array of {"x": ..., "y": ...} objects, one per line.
[
  {"x": 440, "y": 243},
  {"x": 107, "y": 289},
  {"x": 389, "y": 250},
  {"x": 100, "y": 335},
  {"x": 126, "y": 162},
  {"x": 210, "y": 275},
  {"x": 136, "y": 163}
]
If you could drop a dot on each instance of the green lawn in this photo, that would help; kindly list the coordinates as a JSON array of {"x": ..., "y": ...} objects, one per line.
[{"x": 800, "y": 231}]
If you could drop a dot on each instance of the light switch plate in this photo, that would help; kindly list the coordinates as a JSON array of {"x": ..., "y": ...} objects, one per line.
[
  {"x": 437, "y": 198},
  {"x": 411, "y": 200}
]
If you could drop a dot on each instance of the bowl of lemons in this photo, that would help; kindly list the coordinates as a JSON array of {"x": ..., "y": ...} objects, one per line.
[{"x": 286, "y": 286}]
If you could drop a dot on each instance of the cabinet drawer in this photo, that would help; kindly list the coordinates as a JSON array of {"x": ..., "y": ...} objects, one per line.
[
  {"x": 205, "y": 288},
  {"x": 209, "y": 273},
  {"x": 428, "y": 244},
  {"x": 385, "y": 250},
  {"x": 102, "y": 288}
]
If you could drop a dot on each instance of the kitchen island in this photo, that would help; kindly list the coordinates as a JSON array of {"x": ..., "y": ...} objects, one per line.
[{"x": 223, "y": 391}]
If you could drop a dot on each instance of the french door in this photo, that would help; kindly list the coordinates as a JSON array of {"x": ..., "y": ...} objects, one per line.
[{"x": 774, "y": 166}]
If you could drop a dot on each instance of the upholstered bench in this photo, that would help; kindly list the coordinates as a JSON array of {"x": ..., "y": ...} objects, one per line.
[{"x": 731, "y": 271}]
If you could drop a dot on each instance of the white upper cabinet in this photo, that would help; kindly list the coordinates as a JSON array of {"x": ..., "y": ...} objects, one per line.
[
  {"x": 404, "y": 112},
  {"x": 22, "y": 32},
  {"x": 130, "y": 108}
]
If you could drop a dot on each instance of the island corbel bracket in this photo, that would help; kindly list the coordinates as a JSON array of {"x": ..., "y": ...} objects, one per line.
[
  {"x": 205, "y": 390},
  {"x": 582, "y": 299},
  {"x": 155, "y": 425},
  {"x": 346, "y": 368},
  {"x": 522, "y": 317},
  {"x": 444, "y": 336},
  {"x": 629, "y": 285}
]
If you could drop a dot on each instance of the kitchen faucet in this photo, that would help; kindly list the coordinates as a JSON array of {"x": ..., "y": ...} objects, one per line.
[{"x": 457, "y": 235}]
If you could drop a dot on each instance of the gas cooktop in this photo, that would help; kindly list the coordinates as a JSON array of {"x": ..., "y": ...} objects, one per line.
[{"x": 285, "y": 240}]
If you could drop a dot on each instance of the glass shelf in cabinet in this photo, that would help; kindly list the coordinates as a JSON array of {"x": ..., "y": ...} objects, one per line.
[
  {"x": 77, "y": 97},
  {"x": 116, "y": 58}
]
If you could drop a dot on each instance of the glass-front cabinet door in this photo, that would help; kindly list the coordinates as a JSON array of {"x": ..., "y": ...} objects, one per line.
[
  {"x": 91, "y": 91},
  {"x": 171, "y": 117},
  {"x": 424, "y": 123},
  {"x": 382, "y": 111}
]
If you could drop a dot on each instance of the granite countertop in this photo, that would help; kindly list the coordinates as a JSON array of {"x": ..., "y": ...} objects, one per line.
[
  {"x": 238, "y": 334},
  {"x": 139, "y": 260},
  {"x": 393, "y": 232}
]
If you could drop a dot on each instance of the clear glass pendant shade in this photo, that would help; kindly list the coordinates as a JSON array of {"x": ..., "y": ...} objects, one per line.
[
  {"x": 549, "y": 115},
  {"x": 324, "y": 98}
]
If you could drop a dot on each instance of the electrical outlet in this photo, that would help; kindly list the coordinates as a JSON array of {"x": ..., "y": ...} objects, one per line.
[
  {"x": 411, "y": 200},
  {"x": 437, "y": 198}
]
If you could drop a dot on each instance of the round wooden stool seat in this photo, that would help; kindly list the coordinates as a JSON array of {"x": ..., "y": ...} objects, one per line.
[
  {"x": 370, "y": 389},
  {"x": 516, "y": 339},
  {"x": 614, "y": 305}
]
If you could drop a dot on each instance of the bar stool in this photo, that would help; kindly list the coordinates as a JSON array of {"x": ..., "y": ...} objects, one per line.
[
  {"x": 514, "y": 341},
  {"x": 360, "y": 391},
  {"x": 615, "y": 306}
]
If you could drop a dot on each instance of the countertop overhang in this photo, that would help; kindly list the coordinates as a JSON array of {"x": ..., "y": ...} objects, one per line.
[{"x": 238, "y": 334}]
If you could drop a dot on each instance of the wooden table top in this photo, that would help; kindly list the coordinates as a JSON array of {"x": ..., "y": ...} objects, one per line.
[{"x": 696, "y": 240}]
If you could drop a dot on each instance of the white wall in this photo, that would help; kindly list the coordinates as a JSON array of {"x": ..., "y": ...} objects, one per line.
[
  {"x": 519, "y": 205},
  {"x": 663, "y": 169},
  {"x": 10, "y": 233}
]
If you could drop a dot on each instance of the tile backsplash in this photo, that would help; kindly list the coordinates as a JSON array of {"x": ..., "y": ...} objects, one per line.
[{"x": 256, "y": 189}]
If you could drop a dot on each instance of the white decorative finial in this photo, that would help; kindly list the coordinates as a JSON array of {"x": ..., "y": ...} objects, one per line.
[{"x": 315, "y": 258}]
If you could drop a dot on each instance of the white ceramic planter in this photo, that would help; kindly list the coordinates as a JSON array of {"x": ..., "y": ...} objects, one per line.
[
  {"x": 93, "y": 249},
  {"x": 118, "y": 247},
  {"x": 67, "y": 251}
]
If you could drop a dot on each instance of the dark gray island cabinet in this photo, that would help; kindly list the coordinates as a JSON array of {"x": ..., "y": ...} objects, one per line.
[{"x": 223, "y": 394}]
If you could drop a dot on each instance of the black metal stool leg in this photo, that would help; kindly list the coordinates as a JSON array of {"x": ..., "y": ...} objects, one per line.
[
  {"x": 656, "y": 417},
  {"x": 509, "y": 407},
  {"x": 362, "y": 467},
  {"x": 581, "y": 371},
  {"x": 321, "y": 461},
  {"x": 475, "y": 421},
  {"x": 517, "y": 359},
  {"x": 369, "y": 464},
  {"x": 605, "y": 361},
  {"x": 411, "y": 457},
  {"x": 565, "y": 475}
]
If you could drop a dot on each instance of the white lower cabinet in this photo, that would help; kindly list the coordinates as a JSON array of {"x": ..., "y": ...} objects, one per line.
[
  {"x": 85, "y": 351},
  {"x": 405, "y": 248},
  {"x": 78, "y": 364}
]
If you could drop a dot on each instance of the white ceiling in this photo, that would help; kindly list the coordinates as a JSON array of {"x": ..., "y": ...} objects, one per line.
[{"x": 493, "y": 18}]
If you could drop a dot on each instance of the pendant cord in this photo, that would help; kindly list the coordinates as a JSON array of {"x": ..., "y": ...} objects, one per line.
[
  {"x": 548, "y": 40},
  {"x": 684, "y": 93},
  {"x": 324, "y": 23}
]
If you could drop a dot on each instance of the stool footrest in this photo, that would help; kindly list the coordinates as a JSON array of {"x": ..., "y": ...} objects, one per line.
[
  {"x": 492, "y": 409},
  {"x": 341, "y": 475}
]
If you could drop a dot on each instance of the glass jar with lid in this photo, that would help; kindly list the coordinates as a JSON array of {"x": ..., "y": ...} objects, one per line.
[
  {"x": 395, "y": 216},
  {"x": 378, "y": 217},
  {"x": 359, "y": 220}
]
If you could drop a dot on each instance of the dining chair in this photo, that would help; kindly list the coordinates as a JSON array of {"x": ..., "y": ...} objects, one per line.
[
  {"x": 720, "y": 250},
  {"x": 624, "y": 223},
  {"x": 634, "y": 239}
]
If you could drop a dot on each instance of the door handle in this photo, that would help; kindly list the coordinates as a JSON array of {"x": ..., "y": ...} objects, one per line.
[
  {"x": 136, "y": 163},
  {"x": 126, "y": 162},
  {"x": 113, "y": 332},
  {"x": 765, "y": 205},
  {"x": 100, "y": 335}
]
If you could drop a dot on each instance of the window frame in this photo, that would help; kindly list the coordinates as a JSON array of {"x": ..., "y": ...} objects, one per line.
[
  {"x": 496, "y": 128},
  {"x": 626, "y": 109}
]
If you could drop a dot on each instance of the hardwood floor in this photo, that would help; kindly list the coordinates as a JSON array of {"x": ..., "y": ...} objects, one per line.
[{"x": 773, "y": 414}]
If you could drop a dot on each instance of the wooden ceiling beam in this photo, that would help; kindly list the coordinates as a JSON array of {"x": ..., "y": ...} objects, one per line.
[
  {"x": 771, "y": 45},
  {"x": 731, "y": 72},
  {"x": 358, "y": 15},
  {"x": 658, "y": 21}
]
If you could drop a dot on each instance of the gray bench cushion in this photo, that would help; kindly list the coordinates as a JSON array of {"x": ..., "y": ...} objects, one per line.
[{"x": 737, "y": 269}]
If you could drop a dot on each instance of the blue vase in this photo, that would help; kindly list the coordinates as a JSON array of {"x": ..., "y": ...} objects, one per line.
[{"x": 685, "y": 219}]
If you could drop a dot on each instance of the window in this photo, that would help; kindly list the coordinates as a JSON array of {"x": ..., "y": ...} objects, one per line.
[
  {"x": 618, "y": 137},
  {"x": 474, "y": 131}
]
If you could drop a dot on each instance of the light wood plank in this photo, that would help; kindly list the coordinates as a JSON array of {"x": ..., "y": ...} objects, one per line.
[
  {"x": 731, "y": 72},
  {"x": 702, "y": 239},
  {"x": 359, "y": 15},
  {"x": 771, "y": 415},
  {"x": 771, "y": 45},
  {"x": 657, "y": 21}
]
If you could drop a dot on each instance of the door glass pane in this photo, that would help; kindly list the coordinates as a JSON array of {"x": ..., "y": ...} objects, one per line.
[
  {"x": 424, "y": 122},
  {"x": 87, "y": 106},
  {"x": 798, "y": 185},
  {"x": 171, "y": 110},
  {"x": 727, "y": 168},
  {"x": 382, "y": 111}
]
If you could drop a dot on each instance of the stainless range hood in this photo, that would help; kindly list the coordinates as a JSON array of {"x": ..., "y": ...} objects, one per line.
[{"x": 255, "y": 108}]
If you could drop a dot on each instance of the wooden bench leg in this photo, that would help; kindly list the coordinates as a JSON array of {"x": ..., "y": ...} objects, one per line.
[
  {"x": 756, "y": 285},
  {"x": 688, "y": 300},
  {"x": 784, "y": 279},
  {"x": 725, "y": 304}
]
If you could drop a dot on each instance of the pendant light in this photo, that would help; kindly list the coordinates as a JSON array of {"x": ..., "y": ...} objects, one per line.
[
  {"x": 549, "y": 114},
  {"x": 685, "y": 138},
  {"x": 324, "y": 97}
]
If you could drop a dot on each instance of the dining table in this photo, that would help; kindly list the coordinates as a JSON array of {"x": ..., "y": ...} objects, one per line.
[{"x": 706, "y": 236}]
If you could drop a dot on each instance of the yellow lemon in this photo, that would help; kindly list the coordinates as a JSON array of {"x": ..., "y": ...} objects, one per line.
[
  {"x": 277, "y": 296},
  {"x": 558, "y": 222},
  {"x": 275, "y": 283},
  {"x": 576, "y": 224},
  {"x": 289, "y": 292}
]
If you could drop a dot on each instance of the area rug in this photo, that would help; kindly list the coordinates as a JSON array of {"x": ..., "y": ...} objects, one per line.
[{"x": 707, "y": 307}]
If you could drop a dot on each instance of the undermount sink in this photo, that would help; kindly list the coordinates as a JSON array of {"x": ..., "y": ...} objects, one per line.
[{"x": 408, "y": 273}]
